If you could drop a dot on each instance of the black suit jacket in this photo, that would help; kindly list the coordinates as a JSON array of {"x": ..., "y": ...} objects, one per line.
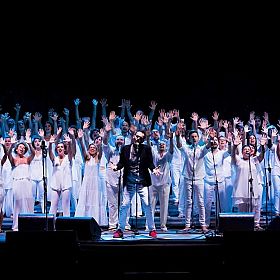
[{"x": 146, "y": 163}]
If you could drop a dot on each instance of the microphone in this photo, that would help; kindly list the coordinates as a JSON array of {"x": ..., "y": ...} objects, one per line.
[
  {"x": 43, "y": 144},
  {"x": 44, "y": 148},
  {"x": 136, "y": 147}
]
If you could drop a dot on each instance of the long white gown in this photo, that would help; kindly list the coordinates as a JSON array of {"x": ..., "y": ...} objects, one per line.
[
  {"x": 22, "y": 191},
  {"x": 88, "y": 204}
]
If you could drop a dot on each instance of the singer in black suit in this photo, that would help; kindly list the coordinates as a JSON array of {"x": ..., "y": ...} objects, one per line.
[{"x": 137, "y": 160}]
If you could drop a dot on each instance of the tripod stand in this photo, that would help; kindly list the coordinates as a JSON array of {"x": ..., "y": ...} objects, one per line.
[
  {"x": 44, "y": 157},
  {"x": 136, "y": 232}
]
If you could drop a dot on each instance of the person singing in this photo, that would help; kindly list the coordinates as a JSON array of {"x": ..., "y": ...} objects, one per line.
[{"x": 137, "y": 160}]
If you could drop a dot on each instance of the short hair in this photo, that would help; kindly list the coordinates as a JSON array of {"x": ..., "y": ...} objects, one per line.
[{"x": 192, "y": 131}]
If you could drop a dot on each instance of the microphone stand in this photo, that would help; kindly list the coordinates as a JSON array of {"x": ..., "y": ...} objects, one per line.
[
  {"x": 268, "y": 189},
  {"x": 119, "y": 193},
  {"x": 44, "y": 156},
  {"x": 136, "y": 232},
  {"x": 267, "y": 186},
  {"x": 192, "y": 194},
  {"x": 217, "y": 197},
  {"x": 250, "y": 186}
]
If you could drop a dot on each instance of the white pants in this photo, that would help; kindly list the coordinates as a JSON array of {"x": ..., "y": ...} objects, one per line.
[
  {"x": 161, "y": 193},
  {"x": 197, "y": 191},
  {"x": 210, "y": 197}
]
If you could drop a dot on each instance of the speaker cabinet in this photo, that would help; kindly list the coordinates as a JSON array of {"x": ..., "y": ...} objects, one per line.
[
  {"x": 86, "y": 227},
  {"x": 238, "y": 221},
  {"x": 35, "y": 222}
]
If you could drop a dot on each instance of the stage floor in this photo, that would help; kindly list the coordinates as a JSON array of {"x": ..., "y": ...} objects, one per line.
[
  {"x": 172, "y": 255},
  {"x": 172, "y": 234}
]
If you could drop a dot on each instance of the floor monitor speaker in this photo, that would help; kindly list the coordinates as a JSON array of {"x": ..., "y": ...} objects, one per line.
[
  {"x": 86, "y": 227},
  {"x": 236, "y": 221}
]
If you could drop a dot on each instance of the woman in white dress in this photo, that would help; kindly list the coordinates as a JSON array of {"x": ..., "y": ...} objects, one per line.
[
  {"x": 36, "y": 171},
  {"x": 247, "y": 188},
  {"x": 22, "y": 186},
  {"x": 88, "y": 204},
  {"x": 8, "y": 203},
  {"x": 61, "y": 180}
]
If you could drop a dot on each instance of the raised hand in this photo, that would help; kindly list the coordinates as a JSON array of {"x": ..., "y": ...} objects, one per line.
[
  {"x": 246, "y": 128},
  {"x": 37, "y": 116},
  {"x": 103, "y": 102},
  {"x": 252, "y": 115},
  {"x": 28, "y": 136},
  {"x": 50, "y": 112},
  {"x": 203, "y": 124},
  {"x": 112, "y": 116},
  {"x": 54, "y": 116},
  {"x": 17, "y": 107},
  {"x": 77, "y": 102},
  {"x": 215, "y": 116},
  {"x": 263, "y": 140},
  {"x": 86, "y": 125},
  {"x": 194, "y": 116},
  {"x": 67, "y": 138},
  {"x": 237, "y": 140},
  {"x": 153, "y": 105},
  {"x": 66, "y": 112},
  {"x": 94, "y": 102},
  {"x": 80, "y": 133}
]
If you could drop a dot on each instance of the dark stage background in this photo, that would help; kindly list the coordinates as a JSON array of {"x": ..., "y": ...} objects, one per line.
[
  {"x": 230, "y": 93},
  {"x": 201, "y": 63}
]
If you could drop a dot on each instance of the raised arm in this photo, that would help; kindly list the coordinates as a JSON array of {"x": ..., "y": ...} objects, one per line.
[
  {"x": 17, "y": 109},
  {"x": 263, "y": 142},
  {"x": 5, "y": 156},
  {"x": 171, "y": 144},
  {"x": 80, "y": 137},
  {"x": 36, "y": 119},
  {"x": 66, "y": 113},
  {"x": 94, "y": 112},
  {"x": 71, "y": 134},
  {"x": 194, "y": 117},
  {"x": 237, "y": 141},
  {"x": 10, "y": 156},
  {"x": 123, "y": 109},
  {"x": 104, "y": 104},
  {"x": 152, "y": 112},
  {"x": 128, "y": 110},
  {"x": 67, "y": 140},
  {"x": 177, "y": 135},
  {"x": 215, "y": 118},
  {"x": 28, "y": 141},
  {"x": 77, "y": 115}
]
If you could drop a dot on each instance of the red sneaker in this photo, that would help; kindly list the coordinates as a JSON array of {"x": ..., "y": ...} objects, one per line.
[
  {"x": 118, "y": 234},
  {"x": 153, "y": 233}
]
